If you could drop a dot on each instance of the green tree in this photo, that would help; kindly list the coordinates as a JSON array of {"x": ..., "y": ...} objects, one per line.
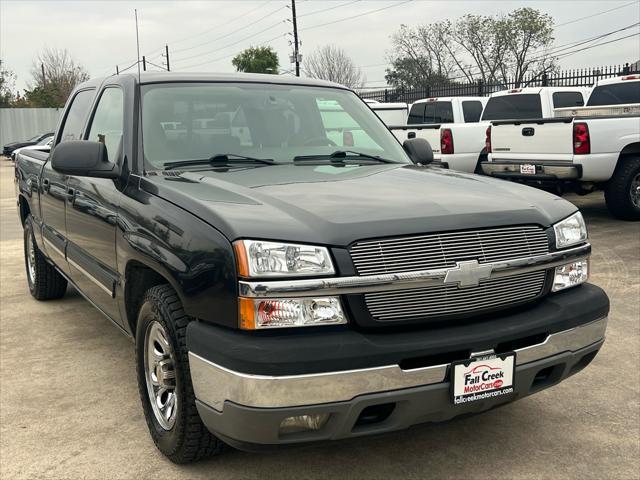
[{"x": 256, "y": 60}]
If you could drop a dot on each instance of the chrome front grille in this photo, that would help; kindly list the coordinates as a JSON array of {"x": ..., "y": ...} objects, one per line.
[
  {"x": 444, "y": 300},
  {"x": 443, "y": 250}
]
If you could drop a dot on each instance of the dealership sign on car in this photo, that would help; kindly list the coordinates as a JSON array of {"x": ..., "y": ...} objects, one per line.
[{"x": 482, "y": 378}]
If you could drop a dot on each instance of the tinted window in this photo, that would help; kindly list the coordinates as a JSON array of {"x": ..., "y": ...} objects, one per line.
[
  {"x": 615, "y": 94},
  {"x": 416, "y": 114},
  {"x": 567, "y": 99},
  {"x": 513, "y": 107},
  {"x": 76, "y": 116},
  {"x": 438, "y": 112},
  {"x": 471, "y": 110},
  {"x": 107, "y": 124}
]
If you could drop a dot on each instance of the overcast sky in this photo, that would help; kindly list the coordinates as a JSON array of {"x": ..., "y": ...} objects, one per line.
[{"x": 204, "y": 35}]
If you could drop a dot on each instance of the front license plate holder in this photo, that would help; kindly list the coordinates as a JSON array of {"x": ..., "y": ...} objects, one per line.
[
  {"x": 483, "y": 378},
  {"x": 528, "y": 169}
]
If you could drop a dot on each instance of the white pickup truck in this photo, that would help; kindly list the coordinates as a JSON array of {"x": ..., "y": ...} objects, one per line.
[
  {"x": 391, "y": 113},
  {"x": 581, "y": 149},
  {"x": 456, "y": 127}
]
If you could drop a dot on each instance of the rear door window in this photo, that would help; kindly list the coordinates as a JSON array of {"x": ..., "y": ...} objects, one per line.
[
  {"x": 615, "y": 94},
  {"x": 567, "y": 99},
  {"x": 416, "y": 114},
  {"x": 513, "y": 107},
  {"x": 438, "y": 112},
  {"x": 76, "y": 116},
  {"x": 471, "y": 111}
]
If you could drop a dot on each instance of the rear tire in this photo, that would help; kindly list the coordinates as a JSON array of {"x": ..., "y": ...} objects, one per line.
[
  {"x": 164, "y": 378},
  {"x": 45, "y": 282},
  {"x": 622, "y": 192}
]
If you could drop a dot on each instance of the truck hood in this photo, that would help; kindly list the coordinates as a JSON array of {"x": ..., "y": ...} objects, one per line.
[{"x": 335, "y": 205}]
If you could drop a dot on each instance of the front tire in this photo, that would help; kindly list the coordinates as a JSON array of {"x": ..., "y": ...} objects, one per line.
[
  {"x": 622, "y": 192},
  {"x": 45, "y": 282},
  {"x": 164, "y": 379}
]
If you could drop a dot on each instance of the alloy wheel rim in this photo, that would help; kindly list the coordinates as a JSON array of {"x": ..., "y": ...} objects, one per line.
[
  {"x": 31, "y": 260},
  {"x": 160, "y": 373},
  {"x": 635, "y": 190}
]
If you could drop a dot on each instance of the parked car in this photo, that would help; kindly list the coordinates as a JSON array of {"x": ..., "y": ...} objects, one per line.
[
  {"x": 293, "y": 289},
  {"x": 43, "y": 145},
  {"x": 458, "y": 131},
  {"x": 391, "y": 113},
  {"x": 10, "y": 147},
  {"x": 596, "y": 147}
]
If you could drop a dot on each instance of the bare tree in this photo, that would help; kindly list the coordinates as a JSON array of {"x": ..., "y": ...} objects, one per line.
[
  {"x": 473, "y": 47},
  {"x": 55, "y": 74},
  {"x": 333, "y": 64}
]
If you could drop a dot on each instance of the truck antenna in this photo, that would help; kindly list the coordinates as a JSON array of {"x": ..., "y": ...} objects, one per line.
[{"x": 135, "y": 11}]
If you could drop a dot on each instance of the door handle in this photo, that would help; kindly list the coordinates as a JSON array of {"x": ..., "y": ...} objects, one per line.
[
  {"x": 70, "y": 195},
  {"x": 45, "y": 184}
]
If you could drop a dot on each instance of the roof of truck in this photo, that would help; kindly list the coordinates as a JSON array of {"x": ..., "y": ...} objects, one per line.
[
  {"x": 449, "y": 99},
  {"x": 625, "y": 78},
  {"x": 168, "y": 77},
  {"x": 537, "y": 90}
]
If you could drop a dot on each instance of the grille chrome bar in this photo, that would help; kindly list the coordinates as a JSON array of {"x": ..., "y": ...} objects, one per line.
[
  {"x": 444, "y": 300},
  {"x": 402, "y": 280},
  {"x": 439, "y": 250}
]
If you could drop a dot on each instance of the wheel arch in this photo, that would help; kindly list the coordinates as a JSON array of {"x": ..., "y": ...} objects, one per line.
[
  {"x": 631, "y": 150},
  {"x": 138, "y": 278},
  {"x": 23, "y": 208}
]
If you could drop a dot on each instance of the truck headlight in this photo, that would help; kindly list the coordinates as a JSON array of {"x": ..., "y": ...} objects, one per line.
[
  {"x": 257, "y": 258},
  {"x": 570, "y": 275},
  {"x": 570, "y": 231},
  {"x": 260, "y": 313}
]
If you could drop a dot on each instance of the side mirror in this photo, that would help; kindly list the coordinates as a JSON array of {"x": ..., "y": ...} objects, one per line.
[
  {"x": 83, "y": 158},
  {"x": 418, "y": 150}
]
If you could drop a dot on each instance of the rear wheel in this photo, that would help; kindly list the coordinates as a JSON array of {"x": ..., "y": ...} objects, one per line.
[
  {"x": 164, "y": 379},
  {"x": 45, "y": 282},
  {"x": 622, "y": 192}
]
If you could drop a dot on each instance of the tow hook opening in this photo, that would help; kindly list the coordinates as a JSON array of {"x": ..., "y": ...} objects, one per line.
[
  {"x": 374, "y": 414},
  {"x": 547, "y": 377}
]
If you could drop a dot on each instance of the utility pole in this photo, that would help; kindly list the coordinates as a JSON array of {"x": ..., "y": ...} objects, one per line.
[
  {"x": 144, "y": 63},
  {"x": 44, "y": 78},
  {"x": 296, "y": 54},
  {"x": 166, "y": 55}
]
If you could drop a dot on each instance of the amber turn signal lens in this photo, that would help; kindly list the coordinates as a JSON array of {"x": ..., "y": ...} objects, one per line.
[
  {"x": 242, "y": 262},
  {"x": 247, "y": 315}
]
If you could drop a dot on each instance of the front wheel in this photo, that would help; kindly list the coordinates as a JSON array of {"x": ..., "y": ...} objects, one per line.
[
  {"x": 164, "y": 379},
  {"x": 622, "y": 192}
]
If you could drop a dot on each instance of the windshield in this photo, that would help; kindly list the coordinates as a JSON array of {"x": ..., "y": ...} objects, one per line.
[
  {"x": 513, "y": 107},
  {"x": 615, "y": 94},
  {"x": 44, "y": 141},
  {"x": 34, "y": 139},
  {"x": 186, "y": 122}
]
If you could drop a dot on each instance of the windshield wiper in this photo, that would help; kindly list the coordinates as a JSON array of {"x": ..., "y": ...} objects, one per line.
[
  {"x": 219, "y": 159},
  {"x": 340, "y": 155}
]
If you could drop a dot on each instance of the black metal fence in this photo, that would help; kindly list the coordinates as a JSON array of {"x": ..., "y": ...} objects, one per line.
[{"x": 585, "y": 77}]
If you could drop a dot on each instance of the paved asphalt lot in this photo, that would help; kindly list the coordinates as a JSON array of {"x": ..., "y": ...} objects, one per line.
[{"x": 69, "y": 405}]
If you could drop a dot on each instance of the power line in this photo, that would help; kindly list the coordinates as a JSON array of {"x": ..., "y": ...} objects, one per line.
[
  {"x": 230, "y": 33},
  {"x": 597, "y": 14},
  {"x": 270, "y": 27},
  {"x": 396, "y": 4},
  {"x": 330, "y": 8}
]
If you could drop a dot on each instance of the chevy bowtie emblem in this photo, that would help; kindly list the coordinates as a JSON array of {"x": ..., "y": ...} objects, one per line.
[{"x": 468, "y": 274}]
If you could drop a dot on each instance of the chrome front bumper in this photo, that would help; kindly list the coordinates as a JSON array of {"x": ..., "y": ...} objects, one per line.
[{"x": 214, "y": 384}]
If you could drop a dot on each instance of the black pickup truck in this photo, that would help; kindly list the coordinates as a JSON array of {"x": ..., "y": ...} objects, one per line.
[{"x": 289, "y": 272}]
